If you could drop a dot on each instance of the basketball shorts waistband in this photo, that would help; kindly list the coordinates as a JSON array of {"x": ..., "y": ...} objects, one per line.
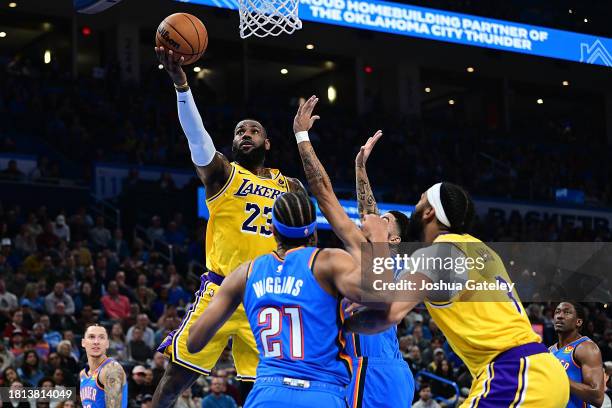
[
  {"x": 521, "y": 351},
  {"x": 381, "y": 361},
  {"x": 299, "y": 384}
]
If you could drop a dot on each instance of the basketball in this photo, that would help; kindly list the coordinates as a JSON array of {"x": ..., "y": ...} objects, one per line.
[{"x": 184, "y": 34}]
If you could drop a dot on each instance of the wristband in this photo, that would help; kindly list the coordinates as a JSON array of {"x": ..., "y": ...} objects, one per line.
[
  {"x": 182, "y": 88},
  {"x": 302, "y": 137}
]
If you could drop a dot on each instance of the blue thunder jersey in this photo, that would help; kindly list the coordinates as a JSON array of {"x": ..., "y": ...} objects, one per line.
[
  {"x": 380, "y": 345},
  {"x": 92, "y": 391},
  {"x": 573, "y": 370},
  {"x": 296, "y": 323}
]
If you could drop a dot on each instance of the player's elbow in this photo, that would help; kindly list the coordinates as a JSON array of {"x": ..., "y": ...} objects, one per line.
[{"x": 598, "y": 402}]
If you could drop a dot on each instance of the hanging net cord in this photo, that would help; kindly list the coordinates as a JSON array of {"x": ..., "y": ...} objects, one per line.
[{"x": 262, "y": 18}]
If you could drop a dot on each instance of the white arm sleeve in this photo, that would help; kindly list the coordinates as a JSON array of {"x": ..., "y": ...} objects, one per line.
[{"x": 200, "y": 144}]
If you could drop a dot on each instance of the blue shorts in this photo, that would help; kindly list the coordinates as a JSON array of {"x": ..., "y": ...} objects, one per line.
[
  {"x": 275, "y": 392},
  {"x": 380, "y": 383}
]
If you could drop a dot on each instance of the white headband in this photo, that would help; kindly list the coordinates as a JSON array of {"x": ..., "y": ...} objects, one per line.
[{"x": 433, "y": 196}]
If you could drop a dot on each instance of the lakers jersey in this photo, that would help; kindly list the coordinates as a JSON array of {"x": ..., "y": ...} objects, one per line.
[
  {"x": 296, "y": 323},
  {"x": 574, "y": 372},
  {"x": 481, "y": 325},
  {"x": 91, "y": 390},
  {"x": 239, "y": 227}
]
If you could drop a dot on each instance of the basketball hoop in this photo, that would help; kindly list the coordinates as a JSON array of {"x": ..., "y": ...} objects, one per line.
[{"x": 262, "y": 18}]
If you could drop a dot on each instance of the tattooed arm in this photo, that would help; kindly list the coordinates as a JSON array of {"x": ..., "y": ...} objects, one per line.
[
  {"x": 365, "y": 197},
  {"x": 321, "y": 185},
  {"x": 113, "y": 379}
]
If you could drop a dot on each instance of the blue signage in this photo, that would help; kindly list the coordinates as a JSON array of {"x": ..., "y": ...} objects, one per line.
[
  {"x": 350, "y": 207},
  {"x": 432, "y": 24}
]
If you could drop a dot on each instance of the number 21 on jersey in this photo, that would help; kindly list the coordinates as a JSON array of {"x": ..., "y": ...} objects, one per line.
[{"x": 272, "y": 319}]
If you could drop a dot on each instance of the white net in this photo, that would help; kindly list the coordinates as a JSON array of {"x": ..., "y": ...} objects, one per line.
[{"x": 262, "y": 18}]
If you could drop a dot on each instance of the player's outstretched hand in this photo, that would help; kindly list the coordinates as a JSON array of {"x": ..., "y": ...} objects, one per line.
[
  {"x": 172, "y": 65},
  {"x": 304, "y": 120},
  {"x": 366, "y": 149},
  {"x": 374, "y": 228}
]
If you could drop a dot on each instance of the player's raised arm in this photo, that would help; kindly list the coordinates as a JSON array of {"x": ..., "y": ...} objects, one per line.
[
  {"x": 343, "y": 270},
  {"x": 222, "y": 306},
  {"x": 113, "y": 379},
  {"x": 366, "y": 203},
  {"x": 592, "y": 387},
  {"x": 212, "y": 167},
  {"x": 319, "y": 181}
]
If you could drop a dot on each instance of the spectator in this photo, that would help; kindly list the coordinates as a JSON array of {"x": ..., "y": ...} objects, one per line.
[
  {"x": 47, "y": 240},
  {"x": 30, "y": 371},
  {"x": 53, "y": 362},
  {"x": 155, "y": 232},
  {"x": 17, "y": 386},
  {"x": 11, "y": 256},
  {"x": 86, "y": 297},
  {"x": 12, "y": 171},
  {"x": 176, "y": 294},
  {"x": 41, "y": 345},
  {"x": 100, "y": 235},
  {"x": 16, "y": 324},
  {"x": 158, "y": 367},
  {"x": 8, "y": 301},
  {"x": 118, "y": 345},
  {"x": 606, "y": 345},
  {"x": 145, "y": 297},
  {"x": 33, "y": 226},
  {"x": 59, "y": 296},
  {"x": 174, "y": 236},
  {"x": 217, "y": 397},
  {"x": 119, "y": 246},
  {"x": 414, "y": 360},
  {"x": 425, "y": 400},
  {"x": 116, "y": 306},
  {"x": 124, "y": 289},
  {"x": 7, "y": 359},
  {"x": 16, "y": 344},
  {"x": 444, "y": 390},
  {"x": 142, "y": 322},
  {"x": 61, "y": 229},
  {"x": 136, "y": 383},
  {"x": 64, "y": 351},
  {"x": 138, "y": 351},
  {"x": 33, "y": 264},
  {"x": 62, "y": 321},
  {"x": 53, "y": 337},
  {"x": 144, "y": 401},
  {"x": 82, "y": 253},
  {"x": 88, "y": 317},
  {"x": 9, "y": 376},
  {"x": 185, "y": 400},
  {"x": 75, "y": 350},
  {"x": 438, "y": 357},
  {"x": 32, "y": 299},
  {"x": 25, "y": 241}
]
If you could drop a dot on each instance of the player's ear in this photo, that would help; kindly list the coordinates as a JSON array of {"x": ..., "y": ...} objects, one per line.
[
  {"x": 429, "y": 213},
  {"x": 579, "y": 322},
  {"x": 267, "y": 144}
]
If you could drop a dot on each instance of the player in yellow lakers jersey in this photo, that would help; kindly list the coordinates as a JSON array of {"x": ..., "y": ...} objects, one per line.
[
  {"x": 240, "y": 197},
  {"x": 488, "y": 330}
]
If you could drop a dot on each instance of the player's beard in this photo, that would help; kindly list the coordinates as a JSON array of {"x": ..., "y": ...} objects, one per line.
[
  {"x": 254, "y": 158},
  {"x": 416, "y": 225}
]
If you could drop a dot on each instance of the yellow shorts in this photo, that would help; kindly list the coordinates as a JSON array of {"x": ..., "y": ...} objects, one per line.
[
  {"x": 534, "y": 381},
  {"x": 244, "y": 348}
]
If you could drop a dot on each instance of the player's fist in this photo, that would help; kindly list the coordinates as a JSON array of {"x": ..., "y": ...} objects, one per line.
[
  {"x": 304, "y": 119},
  {"x": 374, "y": 228}
]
